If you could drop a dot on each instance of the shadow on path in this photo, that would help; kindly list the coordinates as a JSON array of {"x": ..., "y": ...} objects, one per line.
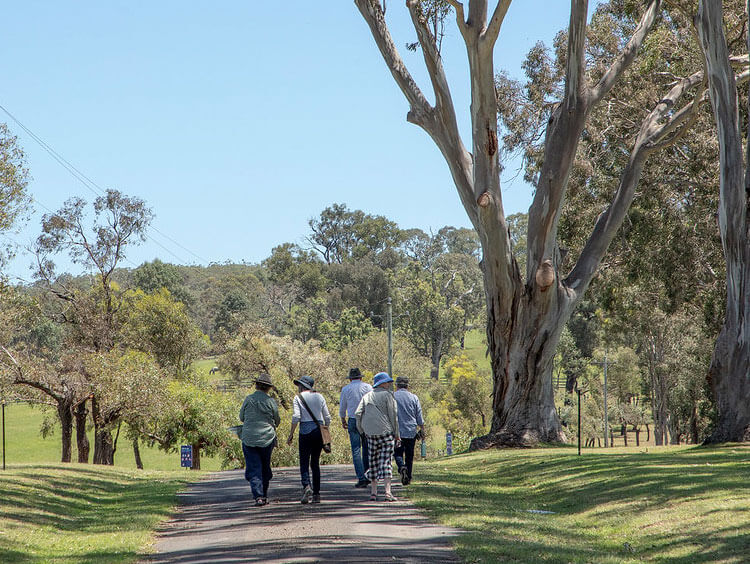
[{"x": 217, "y": 522}]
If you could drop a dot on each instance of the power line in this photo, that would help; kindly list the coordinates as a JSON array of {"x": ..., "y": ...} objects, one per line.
[{"x": 93, "y": 186}]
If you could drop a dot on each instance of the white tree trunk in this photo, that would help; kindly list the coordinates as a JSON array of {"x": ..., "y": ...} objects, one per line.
[
  {"x": 729, "y": 374},
  {"x": 525, "y": 316}
]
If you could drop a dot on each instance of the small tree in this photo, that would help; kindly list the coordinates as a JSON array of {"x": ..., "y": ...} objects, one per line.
[{"x": 119, "y": 221}]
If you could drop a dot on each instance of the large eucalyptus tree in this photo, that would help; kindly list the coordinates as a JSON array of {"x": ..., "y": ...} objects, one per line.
[
  {"x": 730, "y": 365},
  {"x": 526, "y": 312}
]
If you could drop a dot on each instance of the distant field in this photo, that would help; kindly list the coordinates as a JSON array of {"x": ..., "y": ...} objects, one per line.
[{"x": 25, "y": 445}]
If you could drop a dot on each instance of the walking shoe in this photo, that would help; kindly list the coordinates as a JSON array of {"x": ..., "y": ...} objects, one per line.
[
  {"x": 362, "y": 484},
  {"x": 316, "y": 498},
  {"x": 404, "y": 471},
  {"x": 307, "y": 494},
  {"x": 260, "y": 501}
]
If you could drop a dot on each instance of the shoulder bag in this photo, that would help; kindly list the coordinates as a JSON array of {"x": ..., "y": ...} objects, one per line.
[{"x": 325, "y": 432}]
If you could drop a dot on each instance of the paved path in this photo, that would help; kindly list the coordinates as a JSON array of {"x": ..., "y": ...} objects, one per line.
[{"x": 217, "y": 523}]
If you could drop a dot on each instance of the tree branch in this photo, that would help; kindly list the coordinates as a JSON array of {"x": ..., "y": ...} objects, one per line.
[
  {"x": 652, "y": 130},
  {"x": 446, "y": 135},
  {"x": 493, "y": 29},
  {"x": 420, "y": 110},
  {"x": 626, "y": 57}
]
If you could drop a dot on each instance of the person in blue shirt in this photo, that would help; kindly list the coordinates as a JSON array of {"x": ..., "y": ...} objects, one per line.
[
  {"x": 410, "y": 426},
  {"x": 351, "y": 394}
]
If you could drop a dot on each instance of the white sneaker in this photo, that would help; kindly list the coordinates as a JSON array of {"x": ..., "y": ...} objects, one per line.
[{"x": 307, "y": 494}]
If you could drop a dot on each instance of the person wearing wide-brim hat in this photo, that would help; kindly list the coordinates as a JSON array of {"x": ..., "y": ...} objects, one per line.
[
  {"x": 260, "y": 417},
  {"x": 377, "y": 418},
  {"x": 351, "y": 395},
  {"x": 410, "y": 426},
  {"x": 310, "y": 438}
]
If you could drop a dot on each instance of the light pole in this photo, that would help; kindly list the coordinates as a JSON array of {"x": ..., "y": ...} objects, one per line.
[
  {"x": 389, "y": 323},
  {"x": 580, "y": 392},
  {"x": 3, "y": 403},
  {"x": 605, "y": 363}
]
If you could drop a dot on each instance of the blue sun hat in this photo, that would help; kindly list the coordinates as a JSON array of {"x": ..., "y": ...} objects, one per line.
[
  {"x": 306, "y": 382},
  {"x": 381, "y": 378}
]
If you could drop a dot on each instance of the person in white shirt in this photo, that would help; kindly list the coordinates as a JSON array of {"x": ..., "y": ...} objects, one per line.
[
  {"x": 310, "y": 439},
  {"x": 351, "y": 394}
]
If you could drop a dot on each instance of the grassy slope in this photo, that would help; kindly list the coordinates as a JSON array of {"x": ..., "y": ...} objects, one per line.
[
  {"x": 79, "y": 513},
  {"x": 666, "y": 505}
]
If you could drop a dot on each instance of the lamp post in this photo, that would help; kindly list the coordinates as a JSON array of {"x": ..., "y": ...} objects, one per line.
[
  {"x": 580, "y": 392},
  {"x": 389, "y": 323},
  {"x": 3, "y": 403}
]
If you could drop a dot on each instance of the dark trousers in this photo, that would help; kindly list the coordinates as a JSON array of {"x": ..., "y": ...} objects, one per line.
[
  {"x": 404, "y": 454},
  {"x": 310, "y": 446},
  {"x": 258, "y": 468}
]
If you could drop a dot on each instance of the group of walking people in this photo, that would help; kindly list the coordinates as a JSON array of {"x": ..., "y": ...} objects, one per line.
[{"x": 381, "y": 425}]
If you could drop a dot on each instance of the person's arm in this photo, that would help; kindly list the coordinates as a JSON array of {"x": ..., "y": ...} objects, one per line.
[
  {"x": 342, "y": 410},
  {"x": 276, "y": 416},
  {"x": 326, "y": 414},
  {"x": 393, "y": 414},
  {"x": 420, "y": 419},
  {"x": 242, "y": 411},
  {"x": 291, "y": 434},
  {"x": 358, "y": 414}
]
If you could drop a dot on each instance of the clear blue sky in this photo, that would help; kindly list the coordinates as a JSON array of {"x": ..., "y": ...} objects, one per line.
[{"x": 237, "y": 122}]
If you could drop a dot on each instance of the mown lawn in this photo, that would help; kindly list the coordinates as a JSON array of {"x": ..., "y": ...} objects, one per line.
[
  {"x": 667, "y": 505},
  {"x": 79, "y": 513}
]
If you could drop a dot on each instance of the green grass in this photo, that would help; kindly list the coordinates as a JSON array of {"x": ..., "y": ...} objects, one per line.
[
  {"x": 475, "y": 347},
  {"x": 77, "y": 513},
  {"x": 667, "y": 505},
  {"x": 25, "y": 445}
]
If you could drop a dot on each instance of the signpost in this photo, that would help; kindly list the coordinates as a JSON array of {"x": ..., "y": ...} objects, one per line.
[
  {"x": 449, "y": 443},
  {"x": 186, "y": 456}
]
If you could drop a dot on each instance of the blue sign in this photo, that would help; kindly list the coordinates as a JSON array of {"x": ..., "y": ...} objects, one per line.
[{"x": 186, "y": 456}]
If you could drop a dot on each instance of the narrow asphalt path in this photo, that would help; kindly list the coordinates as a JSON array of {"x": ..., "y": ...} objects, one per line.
[{"x": 217, "y": 522}]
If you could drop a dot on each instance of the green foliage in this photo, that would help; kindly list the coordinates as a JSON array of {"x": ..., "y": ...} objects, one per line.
[
  {"x": 14, "y": 199},
  {"x": 351, "y": 326},
  {"x": 340, "y": 235},
  {"x": 462, "y": 403},
  {"x": 196, "y": 414},
  {"x": 155, "y": 275},
  {"x": 128, "y": 385},
  {"x": 157, "y": 324}
]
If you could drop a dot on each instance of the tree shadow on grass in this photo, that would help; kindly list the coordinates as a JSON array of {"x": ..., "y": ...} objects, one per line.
[{"x": 599, "y": 505}]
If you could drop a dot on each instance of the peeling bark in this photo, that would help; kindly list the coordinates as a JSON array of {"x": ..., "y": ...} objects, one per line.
[
  {"x": 525, "y": 317},
  {"x": 729, "y": 374}
]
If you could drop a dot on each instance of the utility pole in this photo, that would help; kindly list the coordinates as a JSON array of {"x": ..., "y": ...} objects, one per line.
[
  {"x": 606, "y": 420},
  {"x": 389, "y": 323},
  {"x": 3, "y": 403},
  {"x": 580, "y": 392}
]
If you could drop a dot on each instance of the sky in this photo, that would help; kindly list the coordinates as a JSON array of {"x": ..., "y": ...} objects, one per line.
[{"x": 237, "y": 122}]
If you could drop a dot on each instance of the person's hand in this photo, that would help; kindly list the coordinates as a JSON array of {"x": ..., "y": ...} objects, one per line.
[
  {"x": 290, "y": 439},
  {"x": 398, "y": 442},
  {"x": 344, "y": 425}
]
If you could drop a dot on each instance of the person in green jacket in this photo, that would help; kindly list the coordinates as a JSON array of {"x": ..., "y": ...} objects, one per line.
[{"x": 260, "y": 417}]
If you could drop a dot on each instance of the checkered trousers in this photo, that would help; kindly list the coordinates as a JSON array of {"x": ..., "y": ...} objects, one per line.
[{"x": 381, "y": 452}]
